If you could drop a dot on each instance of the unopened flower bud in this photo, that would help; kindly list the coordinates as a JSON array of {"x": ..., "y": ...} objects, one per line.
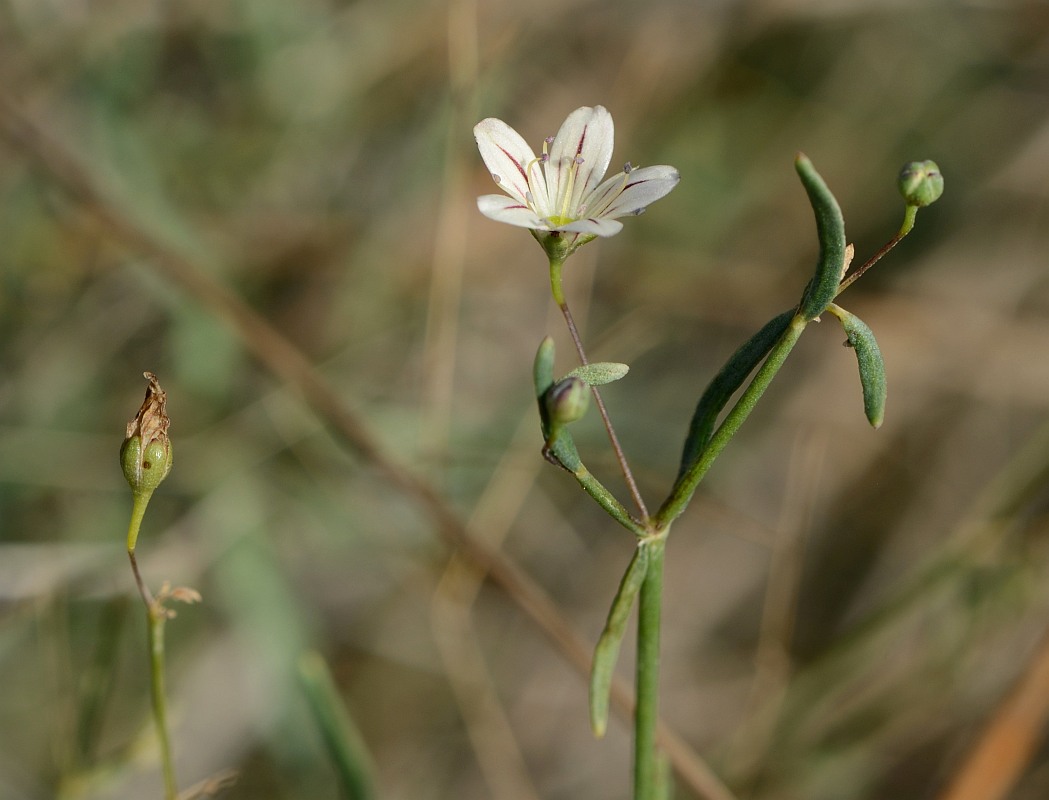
[
  {"x": 921, "y": 183},
  {"x": 566, "y": 401},
  {"x": 145, "y": 455}
]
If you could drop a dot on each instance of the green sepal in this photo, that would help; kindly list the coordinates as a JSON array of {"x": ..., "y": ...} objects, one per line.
[
  {"x": 607, "y": 651},
  {"x": 600, "y": 373},
  {"x": 725, "y": 383},
  {"x": 872, "y": 367},
  {"x": 830, "y": 227}
]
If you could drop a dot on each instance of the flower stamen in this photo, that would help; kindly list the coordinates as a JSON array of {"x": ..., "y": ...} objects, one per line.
[{"x": 567, "y": 197}]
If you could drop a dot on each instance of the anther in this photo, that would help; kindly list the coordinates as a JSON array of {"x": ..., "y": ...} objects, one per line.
[{"x": 496, "y": 178}]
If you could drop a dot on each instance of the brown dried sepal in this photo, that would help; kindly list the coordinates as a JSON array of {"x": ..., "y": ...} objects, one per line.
[
  {"x": 179, "y": 594},
  {"x": 151, "y": 422}
]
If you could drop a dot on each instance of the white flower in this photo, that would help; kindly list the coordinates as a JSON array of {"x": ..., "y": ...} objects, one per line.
[{"x": 561, "y": 190}]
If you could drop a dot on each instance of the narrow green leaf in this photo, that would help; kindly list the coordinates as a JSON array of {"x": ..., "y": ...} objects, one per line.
[
  {"x": 725, "y": 384},
  {"x": 543, "y": 369},
  {"x": 607, "y": 651},
  {"x": 351, "y": 759},
  {"x": 600, "y": 373},
  {"x": 830, "y": 227},
  {"x": 872, "y": 367}
]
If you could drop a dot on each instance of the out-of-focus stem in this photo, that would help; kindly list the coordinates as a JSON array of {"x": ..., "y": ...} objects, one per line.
[{"x": 156, "y": 617}]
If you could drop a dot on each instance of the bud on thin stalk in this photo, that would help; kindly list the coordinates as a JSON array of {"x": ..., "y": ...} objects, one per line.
[
  {"x": 921, "y": 183},
  {"x": 145, "y": 455}
]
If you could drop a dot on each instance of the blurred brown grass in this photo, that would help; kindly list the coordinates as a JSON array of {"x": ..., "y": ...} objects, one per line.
[{"x": 846, "y": 608}]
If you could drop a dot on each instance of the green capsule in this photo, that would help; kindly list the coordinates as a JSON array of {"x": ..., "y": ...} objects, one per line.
[
  {"x": 145, "y": 469},
  {"x": 921, "y": 183}
]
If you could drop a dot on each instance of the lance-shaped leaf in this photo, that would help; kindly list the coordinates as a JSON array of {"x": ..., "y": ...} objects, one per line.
[
  {"x": 607, "y": 651},
  {"x": 830, "y": 227},
  {"x": 600, "y": 373},
  {"x": 725, "y": 384},
  {"x": 543, "y": 367},
  {"x": 868, "y": 356}
]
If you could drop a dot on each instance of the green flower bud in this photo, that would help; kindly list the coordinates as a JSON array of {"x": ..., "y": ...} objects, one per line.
[
  {"x": 566, "y": 401},
  {"x": 921, "y": 183},
  {"x": 145, "y": 455}
]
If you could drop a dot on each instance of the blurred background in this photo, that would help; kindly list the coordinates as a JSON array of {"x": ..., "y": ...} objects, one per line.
[{"x": 846, "y": 608}]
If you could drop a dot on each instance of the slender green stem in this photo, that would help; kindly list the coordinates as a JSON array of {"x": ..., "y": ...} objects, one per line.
[
  {"x": 156, "y": 616},
  {"x": 139, "y": 502},
  {"x": 557, "y": 288},
  {"x": 686, "y": 485},
  {"x": 646, "y": 712},
  {"x": 905, "y": 228},
  {"x": 143, "y": 590}
]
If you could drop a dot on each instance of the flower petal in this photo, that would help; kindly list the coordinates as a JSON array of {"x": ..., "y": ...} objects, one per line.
[
  {"x": 507, "y": 156},
  {"x": 509, "y": 210},
  {"x": 640, "y": 188},
  {"x": 588, "y": 134},
  {"x": 598, "y": 226}
]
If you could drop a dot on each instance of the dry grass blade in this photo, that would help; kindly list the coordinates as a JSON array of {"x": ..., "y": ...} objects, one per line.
[{"x": 1011, "y": 738}]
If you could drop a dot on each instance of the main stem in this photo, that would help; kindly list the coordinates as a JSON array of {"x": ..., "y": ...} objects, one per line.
[
  {"x": 646, "y": 711},
  {"x": 559, "y": 297}
]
